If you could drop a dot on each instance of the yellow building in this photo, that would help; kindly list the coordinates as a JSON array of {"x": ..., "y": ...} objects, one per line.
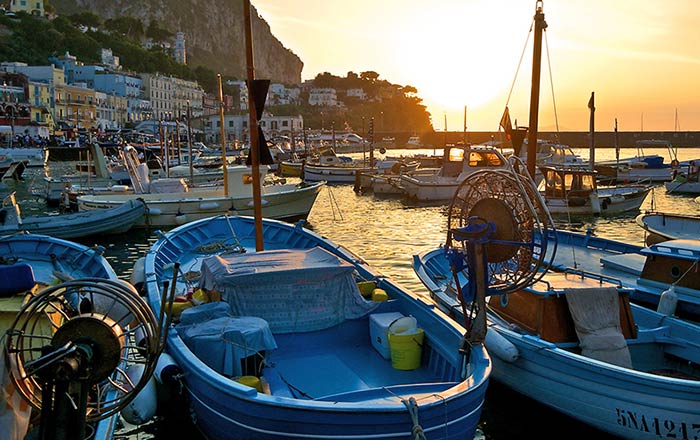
[
  {"x": 76, "y": 106},
  {"x": 40, "y": 101},
  {"x": 34, "y": 7}
]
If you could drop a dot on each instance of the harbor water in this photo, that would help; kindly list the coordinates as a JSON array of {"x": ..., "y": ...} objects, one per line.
[{"x": 387, "y": 232}]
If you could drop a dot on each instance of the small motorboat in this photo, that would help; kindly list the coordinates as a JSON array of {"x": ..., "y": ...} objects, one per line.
[{"x": 662, "y": 226}]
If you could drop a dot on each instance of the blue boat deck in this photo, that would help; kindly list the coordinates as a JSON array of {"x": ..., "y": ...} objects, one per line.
[
  {"x": 619, "y": 267},
  {"x": 339, "y": 361}
]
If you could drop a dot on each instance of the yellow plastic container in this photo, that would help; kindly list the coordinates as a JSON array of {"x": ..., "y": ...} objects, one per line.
[
  {"x": 251, "y": 381},
  {"x": 379, "y": 295},
  {"x": 406, "y": 350},
  {"x": 366, "y": 288}
]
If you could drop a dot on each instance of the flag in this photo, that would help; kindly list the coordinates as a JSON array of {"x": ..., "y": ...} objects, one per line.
[
  {"x": 264, "y": 155},
  {"x": 591, "y": 102},
  {"x": 506, "y": 124}
]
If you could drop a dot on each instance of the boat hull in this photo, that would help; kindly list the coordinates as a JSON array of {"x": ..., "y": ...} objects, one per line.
[
  {"x": 628, "y": 403},
  {"x": 115, "y": 220},
  {"x": 283, "y": 202},
  {"x": 670, "y": 226},
  {"x": 53, "y": 260},
  {"x": 330, "y": 174}
]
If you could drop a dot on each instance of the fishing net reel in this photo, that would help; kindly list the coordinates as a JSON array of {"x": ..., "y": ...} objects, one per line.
[
  {"x": 70, "y": 347},
  {"x": 498, "y": 233}
]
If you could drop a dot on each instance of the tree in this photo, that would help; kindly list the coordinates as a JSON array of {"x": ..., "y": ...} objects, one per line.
[
  {"x": 128, "y": 26},
  {"x": 157, "y": 33},
  {"x": 86, "y": 19},
  {"x": 369, "y": 76}
]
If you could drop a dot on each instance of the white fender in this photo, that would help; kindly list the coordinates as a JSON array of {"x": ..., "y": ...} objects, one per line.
[
  {"x": 119, "y": 188},
  {"x": 143, "y": 407},
  {"x": 497, "y": 345},
  {"x": 180, "y": 219},
  {"x": 154, "y": 211},
  {"x": 166, "y": 369},
  {"x": 138, "y": 272},
  {"x": 208, "y": 205},
  {"x": 263, "y": 202}
]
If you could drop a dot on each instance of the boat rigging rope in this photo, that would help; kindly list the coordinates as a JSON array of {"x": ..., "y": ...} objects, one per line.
[
  {"x": 551, "y": 82},
  {"x": 412, "y": 407},
  {"x": 520, "y": 62},
  {"x": 334, "y": 204}
]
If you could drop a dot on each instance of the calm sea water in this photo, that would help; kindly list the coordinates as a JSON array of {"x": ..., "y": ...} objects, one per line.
[{"x": 387, "y": 232}]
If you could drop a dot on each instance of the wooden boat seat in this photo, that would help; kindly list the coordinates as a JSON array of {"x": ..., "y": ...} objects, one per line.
[{"x": 548, "y": 315}]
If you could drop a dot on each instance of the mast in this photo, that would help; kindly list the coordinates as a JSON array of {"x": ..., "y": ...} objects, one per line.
[
  {"x": 223, "y": 135},
  {"x": 465, "y": 124},
  {"x": 189, "y": 140},
  {"x": 540, "y": 26},
  {"x": 253, "y": 128},
  {"x": 591, "y": 129},
  {"x": 617, "y": 145}
]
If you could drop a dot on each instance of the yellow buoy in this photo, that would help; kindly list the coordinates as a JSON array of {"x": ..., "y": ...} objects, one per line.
[
  {"x": 366, "y": 288},
  {"x": 251, "y": 381},
  {"x": 379, "y": 295}
]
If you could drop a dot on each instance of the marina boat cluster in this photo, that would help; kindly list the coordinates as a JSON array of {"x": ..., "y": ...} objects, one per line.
[
  {"x": 351, "y": 347},
  {"x": 265, "y": 329}
]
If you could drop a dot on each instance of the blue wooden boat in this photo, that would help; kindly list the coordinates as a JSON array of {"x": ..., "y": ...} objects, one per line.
[
  {"x": 644, "y": 385},
  {"x": 31, "y": 263},
  {"x": 289, "y": 348},
  {"x": 649, "y": 271},
  {"x": 115, "y": 220}
]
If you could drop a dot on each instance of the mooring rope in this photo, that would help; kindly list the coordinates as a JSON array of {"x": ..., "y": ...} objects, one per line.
[{"x": 412, "y": 407}]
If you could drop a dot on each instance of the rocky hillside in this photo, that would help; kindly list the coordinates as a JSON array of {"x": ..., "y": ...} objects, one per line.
[{"x": 213, "y": 33}]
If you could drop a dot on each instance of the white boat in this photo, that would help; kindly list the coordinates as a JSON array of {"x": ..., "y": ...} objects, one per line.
[
  {"x": 643, "y": 386},
  {"x": 552, "y": 153},
  {"x": 459, "y": 161},
  {"x": 685, "y": 181},
  {"x": 643, "y": 167},
  {"x": 31, "y": 156},
  {"x": 575, "y": 191},
  {"x": 668, "y": 226},
  {"x": 332, "y": 168},
  {"x": 116, "y": 220},
  {"x": 172, "y": 202}
]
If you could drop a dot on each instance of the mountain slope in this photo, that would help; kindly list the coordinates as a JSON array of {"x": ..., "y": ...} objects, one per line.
[{"x": 213, "y": 30}]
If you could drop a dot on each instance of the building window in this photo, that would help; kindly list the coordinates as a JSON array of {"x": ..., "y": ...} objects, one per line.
[
  {"x": 230, "y": 124},
  {"x": 285, "y": 123}
]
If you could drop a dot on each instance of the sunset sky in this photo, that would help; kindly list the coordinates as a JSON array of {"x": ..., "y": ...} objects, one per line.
[{"x": 640, "y": 57}]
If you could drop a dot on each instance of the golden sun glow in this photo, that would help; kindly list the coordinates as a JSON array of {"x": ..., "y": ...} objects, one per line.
[{"x": 638, "y": 56}]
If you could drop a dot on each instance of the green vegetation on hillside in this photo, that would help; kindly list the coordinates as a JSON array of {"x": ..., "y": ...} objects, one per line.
[{"x": 394, "y": 108}]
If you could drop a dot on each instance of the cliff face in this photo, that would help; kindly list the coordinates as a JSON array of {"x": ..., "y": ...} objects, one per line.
[{"x": 214, "y": 33}]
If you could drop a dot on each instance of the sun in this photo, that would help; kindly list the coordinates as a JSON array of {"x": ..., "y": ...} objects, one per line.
[{"x": 457, "y": 58}]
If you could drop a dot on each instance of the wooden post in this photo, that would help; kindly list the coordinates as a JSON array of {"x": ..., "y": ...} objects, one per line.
[
  {"x": 540, "y": 26},
  {"x": 591, "y": 130},
  {"x": 253, "y": 127},
  {"x": 189, "y": 140},
  {"x": 223, "y": 136}
]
